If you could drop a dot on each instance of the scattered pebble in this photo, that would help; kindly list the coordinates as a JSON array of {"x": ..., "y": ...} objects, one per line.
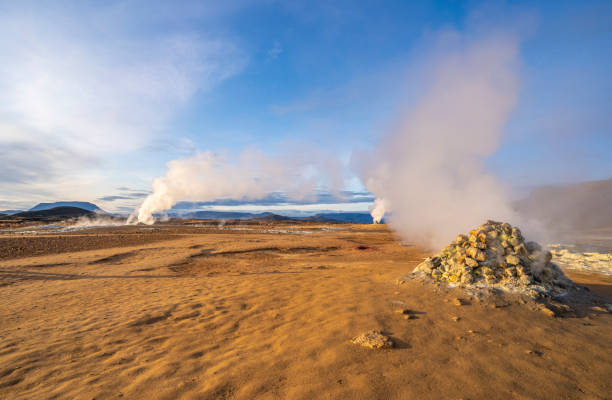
[
  {"x": 455, "y": 319},
  {"x": 563, "y": 308},
  {"x": 405, "y": 312},
  {"x": 547, "y": 311},
  {"x": 457, "y": 302}
]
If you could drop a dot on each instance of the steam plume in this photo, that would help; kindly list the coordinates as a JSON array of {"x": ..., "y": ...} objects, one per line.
[
  {"x": 378, "y": 209},
  {"x": 430, "y": 171},
  {"x": 207, "y": 176}
]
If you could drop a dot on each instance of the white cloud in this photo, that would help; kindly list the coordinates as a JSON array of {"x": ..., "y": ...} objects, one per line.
[{"x": 77, "y": 86}]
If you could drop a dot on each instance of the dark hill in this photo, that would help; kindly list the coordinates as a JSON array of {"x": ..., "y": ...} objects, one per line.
[
  {"x": 78, "y": 204},
  {"x": 57, "y": 212}
]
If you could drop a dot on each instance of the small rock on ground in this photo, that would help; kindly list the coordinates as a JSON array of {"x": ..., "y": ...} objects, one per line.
[
  {"x": 547, "y": 311},
  {"x": 374, "y": 340}
]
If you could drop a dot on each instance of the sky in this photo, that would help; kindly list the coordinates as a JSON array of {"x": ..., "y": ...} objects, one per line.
[{"x": 96, "y": 97}]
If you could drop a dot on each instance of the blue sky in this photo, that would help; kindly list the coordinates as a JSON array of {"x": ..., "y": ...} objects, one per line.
[{"x": 95, "y": 97}]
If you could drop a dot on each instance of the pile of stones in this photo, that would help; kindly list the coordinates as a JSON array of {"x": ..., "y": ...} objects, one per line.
[{"x": 496, "y": 255}]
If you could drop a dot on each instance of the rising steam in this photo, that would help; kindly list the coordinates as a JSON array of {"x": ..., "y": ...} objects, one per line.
[
  {"x": 253, "y": 175},
  {"x": 430, "y": 170},
  {"x": 378, "y": 209}
]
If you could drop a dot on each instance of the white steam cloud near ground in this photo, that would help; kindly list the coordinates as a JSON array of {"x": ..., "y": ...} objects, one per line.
[
  {"x": 252, "y": 175},
  {"x": 428, "y": 173}
]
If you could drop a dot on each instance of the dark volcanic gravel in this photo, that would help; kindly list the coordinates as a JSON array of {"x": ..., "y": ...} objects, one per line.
[{"x": 28, "y": 246}]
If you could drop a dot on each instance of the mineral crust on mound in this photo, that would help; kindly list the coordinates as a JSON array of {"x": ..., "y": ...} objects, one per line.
[{"x": 496, "y": 255}]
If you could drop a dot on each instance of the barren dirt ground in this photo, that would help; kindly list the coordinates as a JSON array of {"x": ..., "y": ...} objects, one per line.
[{"x": 195, "y": 312}]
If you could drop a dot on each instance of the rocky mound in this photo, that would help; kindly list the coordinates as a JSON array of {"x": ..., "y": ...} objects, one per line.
[{"x": 496, "y": 255}]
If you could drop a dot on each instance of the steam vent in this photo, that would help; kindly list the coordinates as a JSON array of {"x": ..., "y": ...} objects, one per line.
[{"x": 496, "y": 255}]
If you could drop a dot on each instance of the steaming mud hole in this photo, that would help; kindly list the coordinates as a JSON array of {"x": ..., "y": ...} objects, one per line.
[{"x": 204, "y": 313}]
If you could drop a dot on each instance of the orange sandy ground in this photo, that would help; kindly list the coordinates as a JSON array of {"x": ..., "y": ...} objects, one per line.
[{"x": 272, "y": 318}]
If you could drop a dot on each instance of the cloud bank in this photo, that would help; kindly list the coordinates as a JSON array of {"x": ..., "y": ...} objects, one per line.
[{"x": 80, "y": 84}]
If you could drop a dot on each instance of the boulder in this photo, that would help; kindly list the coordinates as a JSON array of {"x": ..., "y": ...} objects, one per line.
[
  {"x": 471, "y": 262},
  {"x": 512, "y": 259}
]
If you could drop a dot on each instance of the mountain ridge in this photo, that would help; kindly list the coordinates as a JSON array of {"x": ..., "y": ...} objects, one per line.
[
  {"x": 56, "y": 212},
  {"x": 84, "y": 205}
]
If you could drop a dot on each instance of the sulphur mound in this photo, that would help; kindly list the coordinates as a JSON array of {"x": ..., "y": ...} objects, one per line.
[{"x": 496, "y": 255}]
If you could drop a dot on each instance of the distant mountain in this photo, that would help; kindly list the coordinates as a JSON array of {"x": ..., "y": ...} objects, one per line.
[
  {"x": 56, "y": 212},
  {"x": 10, "y": 212},
  {"x": 220, "y": 215},
  {"x": 347, "y": 217},
  {"x": 272, "y": 217},
  {"x": 79, "y": 204},
  {"x": 585, "y": 205},
  {"x": 360, "y": 218}
]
